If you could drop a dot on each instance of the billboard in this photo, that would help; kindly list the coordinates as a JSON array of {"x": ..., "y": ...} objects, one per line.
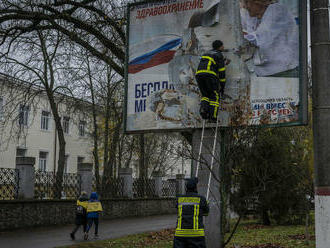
[{"x": 265, "y": 80}]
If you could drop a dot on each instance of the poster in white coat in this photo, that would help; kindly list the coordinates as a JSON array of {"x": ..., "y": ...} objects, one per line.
[{"x": 167, "y": 39}]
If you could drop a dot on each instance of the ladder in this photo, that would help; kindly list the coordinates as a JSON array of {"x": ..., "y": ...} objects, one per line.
[{"x": 213, "y": 153}]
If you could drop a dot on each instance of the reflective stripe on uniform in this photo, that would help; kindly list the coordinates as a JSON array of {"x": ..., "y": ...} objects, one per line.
[
  {"x": 206, "y": 71},
  {"x": 205, "y": 99},
  {"x": 209, "y": 58},
  {"x": 180, "y": 217},
  {"x": 223, "y": 80},
  {"x": 215, "y": 104},
  {"x": 222, "y": 69},
  {"x": 194, "y": 218},
  {"x": 216, "y": 96},
  {"x": 197, "y": 214},
  {"x": 189, "y": 199},
  {"x": 189, "y": 232},
  {"x": 215, "y": 111}
]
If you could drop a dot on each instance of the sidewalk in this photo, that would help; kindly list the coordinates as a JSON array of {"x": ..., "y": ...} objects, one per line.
[{"x": 49, "y": 237}]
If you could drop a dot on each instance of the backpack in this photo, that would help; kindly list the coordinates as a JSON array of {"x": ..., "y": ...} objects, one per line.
[{"x": 80, "y": 210}]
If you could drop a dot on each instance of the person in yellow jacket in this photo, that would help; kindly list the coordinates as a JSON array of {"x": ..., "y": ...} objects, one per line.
[
  {"x": 211, "y": 80},
  {"x": 94, "y": 207},
  {"x": 191, "y": 209},
  {"x": 81, "y": 218}
]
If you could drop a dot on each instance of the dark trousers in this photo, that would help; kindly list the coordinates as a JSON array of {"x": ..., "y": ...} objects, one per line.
[
  {"x": 189, "y": 242},
  {"x": 209, "y": 88},
  {"x": 90, "y": 223},
  {"x": 77, "y": 227}
]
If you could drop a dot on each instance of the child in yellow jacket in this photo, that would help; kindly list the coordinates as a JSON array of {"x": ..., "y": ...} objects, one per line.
[{"x": 94, "y": 207}]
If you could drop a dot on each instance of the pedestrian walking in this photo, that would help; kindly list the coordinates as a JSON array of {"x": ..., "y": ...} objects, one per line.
[
  {"x": 81, "y": 218},
  {"x": 94, "y": 207},
  {"x": 191, "y": 209}
]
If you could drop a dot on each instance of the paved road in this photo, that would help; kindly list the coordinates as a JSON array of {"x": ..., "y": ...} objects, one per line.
[{"x": 50, "y": 237}]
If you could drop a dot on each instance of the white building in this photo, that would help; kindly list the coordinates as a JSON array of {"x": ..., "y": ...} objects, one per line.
[{"x": 27, "y": 128}]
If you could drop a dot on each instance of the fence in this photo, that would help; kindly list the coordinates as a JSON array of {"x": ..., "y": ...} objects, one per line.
[
  {"x": 9, "y": 179},
  {"x": 169, "y": 188},
  {"x": 112, "y": 187},
  {"x": 143, "y": 188},
  {"x": 45, "y": 186}
]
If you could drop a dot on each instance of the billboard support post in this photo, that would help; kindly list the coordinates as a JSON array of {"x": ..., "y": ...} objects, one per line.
[{"x": 321, "y": 112}]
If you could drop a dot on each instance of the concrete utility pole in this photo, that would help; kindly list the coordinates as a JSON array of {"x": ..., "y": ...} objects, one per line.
[
  {"x": 213, "y": 220},
  {"x": 321, "y": 118}
]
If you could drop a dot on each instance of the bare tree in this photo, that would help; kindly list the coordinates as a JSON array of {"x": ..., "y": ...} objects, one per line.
[
  {"x": 34, "y": 57},
  {"x": 96, "y": 25}
]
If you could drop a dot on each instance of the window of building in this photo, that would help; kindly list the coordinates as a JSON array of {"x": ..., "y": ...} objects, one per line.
[
  {"x": 45, "y": 119},
  {"x": 20, "y": 152},
  {"x": 43, "y": 161},
  {"x": 23, "y": 115},
  {"x": 66, "y": 158},
  {"x": 1, "y": 108},
  {"x": 82, "y": 127},
  {"x": 66, "y": 124},
  {"x": 80, "y": 160}
]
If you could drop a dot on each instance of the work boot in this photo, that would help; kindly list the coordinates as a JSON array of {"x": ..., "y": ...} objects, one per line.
[
  {"x": 96, "y": 236},
  {"x": 213, "y": 120},
  {"x": 85, "y": 236},
  {"x": 204, "y": 111}
]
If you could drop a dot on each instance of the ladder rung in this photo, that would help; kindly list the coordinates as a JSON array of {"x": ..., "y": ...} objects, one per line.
[{"x": 205, "y": 137}]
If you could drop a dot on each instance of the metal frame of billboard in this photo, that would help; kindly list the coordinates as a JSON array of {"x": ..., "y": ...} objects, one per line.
[{"x": 303, "y": 76}]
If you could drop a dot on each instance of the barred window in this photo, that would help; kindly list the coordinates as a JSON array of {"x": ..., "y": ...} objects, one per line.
[
  {"x": 20, "y": 152},
  {"x": 43, "y": 161},
  {"x": 23, "y": 115},
  {"x": 80, "y": 159},
  {"x": 66, "y": 124},
  {"x": 82, "y": 127},
  {"x": 45, "y": 117}
]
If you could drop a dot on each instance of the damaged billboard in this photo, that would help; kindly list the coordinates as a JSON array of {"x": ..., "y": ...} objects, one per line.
[{"x": 265, "y": 81}]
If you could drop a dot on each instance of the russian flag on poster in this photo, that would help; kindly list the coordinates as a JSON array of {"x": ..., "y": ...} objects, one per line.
[{"x": 161, "y": 55}]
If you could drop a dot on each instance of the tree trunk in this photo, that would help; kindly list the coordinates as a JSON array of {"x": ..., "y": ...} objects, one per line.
[
  {"x": 62, "y": 143},
  {"x": 142, "y": 171},
  {"x": 49, "y": 87},
  {"x": 113, "y": 149},
  {"x": 95, "y": 132},
  {"x": 106, "y": 170},
  {"x": 265, "y": 217},
  {"x": 307, "y": 233},
  {"x": 130, "y": 147}
]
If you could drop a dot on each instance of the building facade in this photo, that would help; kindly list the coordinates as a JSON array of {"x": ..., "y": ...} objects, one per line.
[{"x": 27, "y": 128}]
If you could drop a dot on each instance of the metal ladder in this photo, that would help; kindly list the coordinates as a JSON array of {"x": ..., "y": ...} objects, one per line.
[{"x": 213, "y": 153}]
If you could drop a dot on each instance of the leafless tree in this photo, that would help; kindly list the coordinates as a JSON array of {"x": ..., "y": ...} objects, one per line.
[
  {"x": 96, "y": 25},
  {"x": 38, "y": 58}
]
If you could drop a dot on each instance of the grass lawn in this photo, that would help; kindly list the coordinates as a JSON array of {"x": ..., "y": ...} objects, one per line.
[
  {"x": 249, "y": 235},
  {"x": 252, "y": 235}
]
